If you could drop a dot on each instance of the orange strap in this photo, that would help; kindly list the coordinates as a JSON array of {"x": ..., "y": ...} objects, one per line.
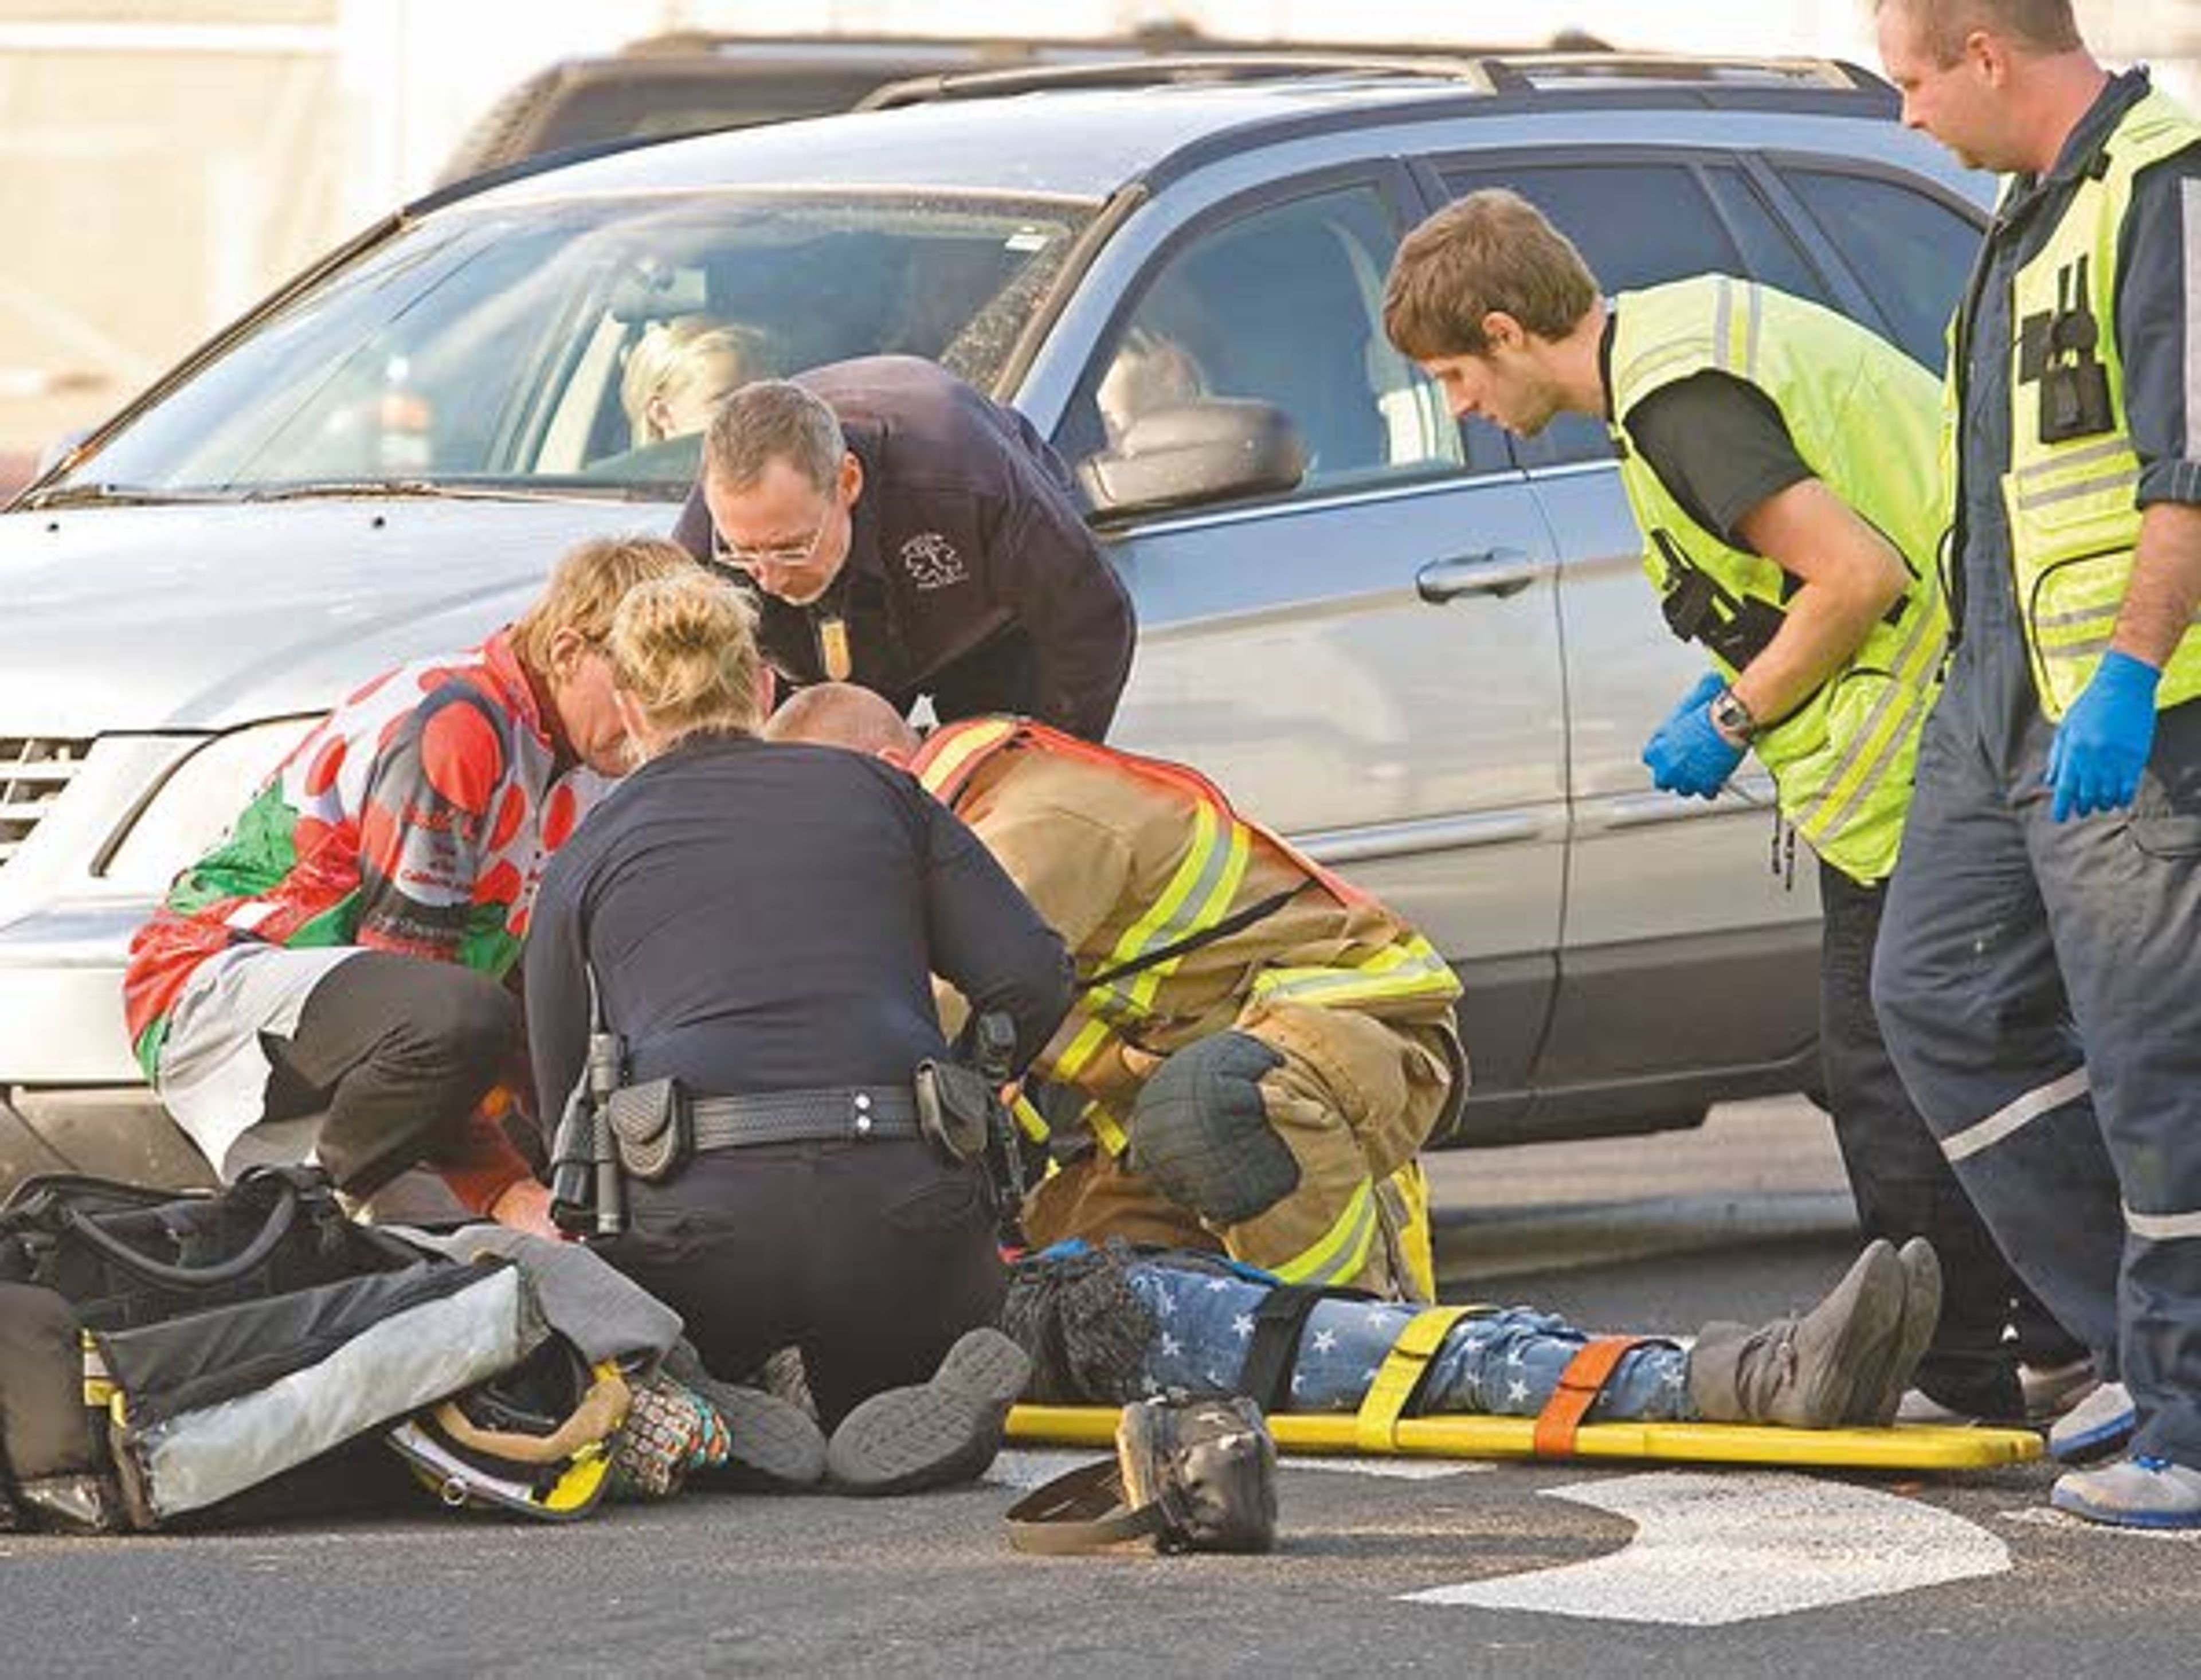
[{"x": 1579, "y": 1386}]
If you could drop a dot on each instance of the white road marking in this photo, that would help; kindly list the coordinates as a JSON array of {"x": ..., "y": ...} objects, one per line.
[
  {"x": 1399, "y": 1470},
  {"x": 1713, "y": 1549},
  {"x": 1024, "y": 1469}
]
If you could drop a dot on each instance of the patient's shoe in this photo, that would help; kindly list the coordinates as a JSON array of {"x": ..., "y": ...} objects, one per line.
[
  {"x": 1815, "y": 1371},
  {"x": 935, "y": 1433},
  {"x": 2137, "y": 1492},
  {"x": 773, "y": 1445}
]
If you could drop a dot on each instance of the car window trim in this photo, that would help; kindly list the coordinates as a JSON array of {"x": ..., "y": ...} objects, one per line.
[
  {"x": 1400, "y": 197},
  {"x": 1797, "y": 211},
  {"x": 1238, "y": 513}
]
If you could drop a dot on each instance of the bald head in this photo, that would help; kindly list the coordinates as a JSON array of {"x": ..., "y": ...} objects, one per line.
[{"x": 840, "y": 715}]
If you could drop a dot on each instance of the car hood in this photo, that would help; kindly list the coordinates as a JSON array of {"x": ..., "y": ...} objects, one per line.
[{"x": 203, "y": 617}]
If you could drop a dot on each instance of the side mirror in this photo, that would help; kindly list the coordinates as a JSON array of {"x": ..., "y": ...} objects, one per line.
[{"x": 1215, "y": 450}]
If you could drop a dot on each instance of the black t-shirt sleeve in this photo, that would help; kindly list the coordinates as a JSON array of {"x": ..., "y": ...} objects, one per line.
[
  {"x": 986, "y": 939},
  {"x": 1719, "y": 445}
]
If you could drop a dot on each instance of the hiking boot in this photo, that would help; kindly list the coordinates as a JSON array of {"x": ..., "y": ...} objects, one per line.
[
  {"x": 2135, "y": 1493},
  {"x": 773, "y": 1446},
  {"x": 935, "y": 1433},
  {"x": 1812, "y": 1372},
  {"x": 1880, "y": 1398},
  {"x": 2096, "y": 1426}
]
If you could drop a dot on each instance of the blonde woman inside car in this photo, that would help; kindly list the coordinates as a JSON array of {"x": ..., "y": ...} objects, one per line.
[{"x": 679, "y": 370}]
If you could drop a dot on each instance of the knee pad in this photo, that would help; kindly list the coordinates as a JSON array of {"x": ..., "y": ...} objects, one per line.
[{"x": 1201, "y": 1133}]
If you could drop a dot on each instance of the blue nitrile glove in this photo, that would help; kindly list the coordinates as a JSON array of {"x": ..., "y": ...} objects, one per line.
[
  {"x": 1688, "y": 755},
  {"x": 2102, "y": 744},
  {"x": 1707, "y": 685}
]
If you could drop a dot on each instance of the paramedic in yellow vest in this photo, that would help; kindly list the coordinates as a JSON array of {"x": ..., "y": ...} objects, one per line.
[
  {"x": 1259, "y": 1049},
  {"x": 2041, "y": 981},
  {"x": 1779, "y": 460}
]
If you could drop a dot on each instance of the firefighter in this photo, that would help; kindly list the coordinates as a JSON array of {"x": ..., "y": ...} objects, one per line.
[{"x": 1258, "y": 1050}]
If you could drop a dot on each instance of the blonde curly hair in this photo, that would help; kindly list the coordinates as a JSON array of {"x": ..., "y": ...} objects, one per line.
[{"x": 684, "y": 649}]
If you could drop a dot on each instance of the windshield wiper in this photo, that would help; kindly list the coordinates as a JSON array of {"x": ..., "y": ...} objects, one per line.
[
  {"x": 118, "y": 496},
  {"x": 426, "y": 490}
]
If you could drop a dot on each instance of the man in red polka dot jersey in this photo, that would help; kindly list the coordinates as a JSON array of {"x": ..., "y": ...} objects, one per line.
[{"x": 327, "y": 983}]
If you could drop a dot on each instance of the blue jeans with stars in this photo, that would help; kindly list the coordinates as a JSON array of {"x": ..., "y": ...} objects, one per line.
[{"x": 1504, "y": 1363}]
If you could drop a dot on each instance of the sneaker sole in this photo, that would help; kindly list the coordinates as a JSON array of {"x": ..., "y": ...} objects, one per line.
[
  {"x": 2095, "y": 1443},
  {"x": 1914, "y": 1333},
  {"x": 2072, "y": 1505},
  {"x": 935, "y": 1433}
]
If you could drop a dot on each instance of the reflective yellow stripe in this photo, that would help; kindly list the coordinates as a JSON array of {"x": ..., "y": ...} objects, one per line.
[
  {"x": 1198, "y": 894},
  {"x": 1029, "y": 1121},
  {"x": 1343, "y": 1249},
  {"x": 1409, "y": 968},
  {"x": 968, "y": 741},
  {"x": 1376, "y": 1426},
  {"x": 1105, "y": 1129}
]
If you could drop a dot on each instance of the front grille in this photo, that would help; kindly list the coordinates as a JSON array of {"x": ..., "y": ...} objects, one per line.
[{"x": 33, "y": 771}]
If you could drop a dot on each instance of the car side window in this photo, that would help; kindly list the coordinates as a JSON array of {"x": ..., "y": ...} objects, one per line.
[
  {"x": 1281, "y": 305},
  {"x": 1635, "y": 224},
  {"x": 1911, "y": 253}
]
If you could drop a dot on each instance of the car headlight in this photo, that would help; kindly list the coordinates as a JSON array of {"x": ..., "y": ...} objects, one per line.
[{"x": 195, "y": 805}]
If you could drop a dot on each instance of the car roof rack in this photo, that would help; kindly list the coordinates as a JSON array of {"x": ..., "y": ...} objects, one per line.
[{"x": 1478, "y": 72}]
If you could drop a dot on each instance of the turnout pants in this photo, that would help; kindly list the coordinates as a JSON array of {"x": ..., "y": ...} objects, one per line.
[
  {"x": 2040, "y": 983},
  {"x": 1904, "y": 1187},
  {"x": 1353, "y": 1100}
]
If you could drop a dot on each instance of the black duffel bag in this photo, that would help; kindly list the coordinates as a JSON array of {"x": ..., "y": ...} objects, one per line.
[{"x": 162, "y": 1353}]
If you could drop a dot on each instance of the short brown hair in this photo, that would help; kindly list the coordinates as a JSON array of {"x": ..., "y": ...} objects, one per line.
[
  {"x": 685, "y": 649},
  {"x": 769, "y": 420},
  {"x": 2037, "y": 26},
  {"x": 1491, "y": 250},
  {"x": 585, "y": 588}
]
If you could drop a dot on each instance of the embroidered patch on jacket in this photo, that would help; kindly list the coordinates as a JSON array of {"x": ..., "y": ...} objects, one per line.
[{"x": 932, "y": 561}]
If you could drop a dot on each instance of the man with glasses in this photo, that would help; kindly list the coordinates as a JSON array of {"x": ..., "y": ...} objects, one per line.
[{"x": 903, "y": 533}]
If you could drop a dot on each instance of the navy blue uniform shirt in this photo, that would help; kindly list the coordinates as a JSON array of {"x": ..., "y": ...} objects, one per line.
[
  {"x": 966, "y": 536},
  {"x": 767, "y": 917}
]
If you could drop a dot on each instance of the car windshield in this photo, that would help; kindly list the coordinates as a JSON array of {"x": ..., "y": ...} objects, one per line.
[{"x": 578, "y": 347}]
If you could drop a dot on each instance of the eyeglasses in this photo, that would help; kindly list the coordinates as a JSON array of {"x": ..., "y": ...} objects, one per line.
[{"x": 746, "y": 561}]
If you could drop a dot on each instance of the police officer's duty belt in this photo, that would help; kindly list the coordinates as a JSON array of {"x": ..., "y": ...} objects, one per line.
[{"x": 848, "y": 1112}]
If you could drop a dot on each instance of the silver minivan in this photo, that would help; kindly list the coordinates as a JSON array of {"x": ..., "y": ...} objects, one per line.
[{"x": 1421, "y": 648}]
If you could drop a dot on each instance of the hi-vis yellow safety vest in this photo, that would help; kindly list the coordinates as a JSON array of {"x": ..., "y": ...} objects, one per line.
[
  {"x": 2073, "y": 522},
  {"x": 1204, "y": 900},
  {"x": 1862, "y": 416}
]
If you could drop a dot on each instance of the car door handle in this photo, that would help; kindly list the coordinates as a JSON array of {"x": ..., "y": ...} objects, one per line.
[{"x": 1495, "y": 572}]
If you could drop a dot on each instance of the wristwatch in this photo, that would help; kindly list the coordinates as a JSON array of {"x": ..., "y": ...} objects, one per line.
[{"x": 1732, "y": 718}]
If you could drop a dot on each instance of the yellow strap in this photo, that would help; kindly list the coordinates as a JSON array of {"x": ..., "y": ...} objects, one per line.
[
  {"x": 1376, "y": 1428},
  {"x": 1029, "y": 1121},
  {"x": 1105, "y": 1129}
]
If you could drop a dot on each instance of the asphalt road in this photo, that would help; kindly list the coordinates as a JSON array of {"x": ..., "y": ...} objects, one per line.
[{"x": 1466, "y": 1569}]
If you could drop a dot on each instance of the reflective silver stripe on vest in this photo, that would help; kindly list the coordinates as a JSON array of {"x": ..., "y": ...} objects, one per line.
[
  {"x": 2115, "y": 446},
  {"x": 2162, "y": 1227},
  {"x": 2122, "y": 479},
  {"x": 2085, "y": 650},
  {"x": 1897, "y": 692},
  {"x": 2012, "y": 1116},
  {"x": 2078, "y": 615},
  {"x": 2189, "y": 217}
]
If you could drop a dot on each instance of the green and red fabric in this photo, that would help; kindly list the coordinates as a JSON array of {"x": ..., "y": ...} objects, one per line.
[{"x": 415, "y": 819}]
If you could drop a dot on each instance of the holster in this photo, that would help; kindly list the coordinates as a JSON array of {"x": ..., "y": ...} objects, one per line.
[
  {"x": 955, "y": 1108},
  {"x": 652, "y": 1129}
]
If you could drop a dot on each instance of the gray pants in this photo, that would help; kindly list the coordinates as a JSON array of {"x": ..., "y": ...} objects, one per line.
[{"x": 2039, "y": 986}]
